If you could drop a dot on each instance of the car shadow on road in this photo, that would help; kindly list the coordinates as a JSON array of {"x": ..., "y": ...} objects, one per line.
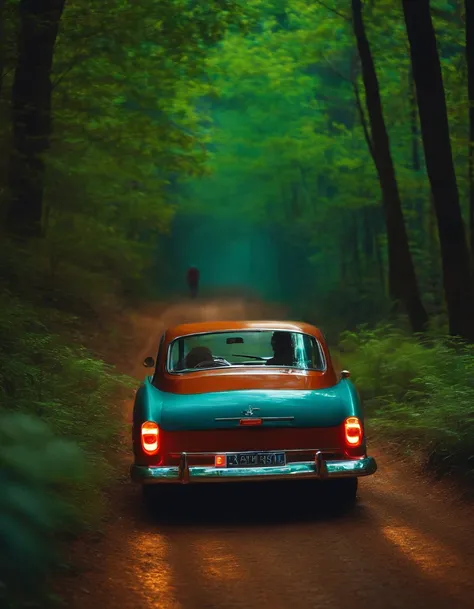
[{"x": 246, "y": 504}]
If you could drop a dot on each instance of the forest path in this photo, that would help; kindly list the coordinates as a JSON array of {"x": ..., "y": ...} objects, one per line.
[{"x": 408, "y": 544}]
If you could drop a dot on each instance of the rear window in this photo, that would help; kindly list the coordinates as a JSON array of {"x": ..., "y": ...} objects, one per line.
[{"x": 266, "y": 348}]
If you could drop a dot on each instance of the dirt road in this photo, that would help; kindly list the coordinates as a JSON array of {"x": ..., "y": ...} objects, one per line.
[{"x": 408, "y": 544}]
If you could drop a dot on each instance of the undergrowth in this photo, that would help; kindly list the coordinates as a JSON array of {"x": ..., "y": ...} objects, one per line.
[
  {"x": 58, "y": 426},
  {"x": 418, "y": 393}
]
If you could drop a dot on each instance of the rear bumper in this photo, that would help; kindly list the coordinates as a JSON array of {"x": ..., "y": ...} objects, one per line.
[{"x": 319, "y": 469}]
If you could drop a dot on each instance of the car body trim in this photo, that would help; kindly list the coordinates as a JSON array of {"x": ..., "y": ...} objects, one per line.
[
  {"x": 319, "y": 469},
  {"x": 222, "y": 419}
]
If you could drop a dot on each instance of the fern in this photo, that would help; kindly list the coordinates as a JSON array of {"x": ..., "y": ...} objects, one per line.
[{"x": 417, "y": 392}]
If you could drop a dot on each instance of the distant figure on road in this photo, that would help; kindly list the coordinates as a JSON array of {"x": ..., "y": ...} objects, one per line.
[{"x": 193, "y": 281}]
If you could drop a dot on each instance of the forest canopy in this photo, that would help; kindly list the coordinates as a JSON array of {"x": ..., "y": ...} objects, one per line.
[
  {"x": 306, "y": 123},
  {"x": 292, "y": 144}
]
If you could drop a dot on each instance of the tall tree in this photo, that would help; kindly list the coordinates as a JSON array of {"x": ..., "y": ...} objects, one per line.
[
  {"x": 2, "y": 9},
  {"x": 31, "y": 112},
  {"x": 403, "y": 284},
  {"x": 415, "y": 153},
  {"x": 469, "y": 7},
  {"x": 457, "y": 278}
]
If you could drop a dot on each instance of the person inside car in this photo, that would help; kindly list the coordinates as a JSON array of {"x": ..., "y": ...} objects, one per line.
[
  {"x": 196, "y": 356},
  {"x": 282, "y": 346}
]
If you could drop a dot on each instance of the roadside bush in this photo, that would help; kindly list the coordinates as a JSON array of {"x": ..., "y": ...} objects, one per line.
[
  {"x": 418, "y": 393},
  {"x": 58, "y": 426},
  {"x": 39, "y": 274},
  {"x": 38, "y": 474},
  {"x": 64, "y": 386}
]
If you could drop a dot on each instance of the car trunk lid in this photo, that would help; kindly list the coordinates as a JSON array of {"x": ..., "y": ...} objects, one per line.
[{"x": 230, "y": 410}]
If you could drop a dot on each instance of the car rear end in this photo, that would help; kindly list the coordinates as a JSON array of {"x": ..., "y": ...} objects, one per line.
[{"x": 300, "y": 435}]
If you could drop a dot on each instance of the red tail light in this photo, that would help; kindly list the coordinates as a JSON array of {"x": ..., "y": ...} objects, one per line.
[
  {"x": 150, "y": 438},
  {"x": 353, "y": 432}
]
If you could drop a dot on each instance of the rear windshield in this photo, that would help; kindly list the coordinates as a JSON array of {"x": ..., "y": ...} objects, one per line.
[{"x": 278, "y": 349}]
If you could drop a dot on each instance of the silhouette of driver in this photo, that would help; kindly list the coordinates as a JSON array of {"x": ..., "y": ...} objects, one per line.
[{"x": 282, "y": 345}]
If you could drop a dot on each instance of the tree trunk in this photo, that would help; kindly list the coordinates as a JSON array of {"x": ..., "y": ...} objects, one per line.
[
  {"x": 2, "y": 42},
  {"x": 469, "y": 6},
  {"x": 31, "y": 112},
  {"x": 419, "y": 199},
  {"x": 402, "y": 279},
  {"x": 457, "y": 279},
  {"x": 434, "y": 273},
  {"x": 380, "y": 264},
  {"x": 415, "y": 149}
]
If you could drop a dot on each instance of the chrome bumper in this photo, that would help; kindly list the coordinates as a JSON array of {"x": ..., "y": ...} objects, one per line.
[{"x": 319, "y": 469}]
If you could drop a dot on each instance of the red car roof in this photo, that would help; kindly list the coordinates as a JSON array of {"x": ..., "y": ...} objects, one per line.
[{"x": 231, "y": 326}]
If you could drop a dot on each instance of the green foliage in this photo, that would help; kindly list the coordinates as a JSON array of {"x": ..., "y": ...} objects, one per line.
[
  {"x": 126, "y": 127},
  {"x": 287, "y": 147},
  {"x": 126, "y": 82},
  {"x": 48, "y": 275},
  {"x": 58, "y": 430},
  {"x": 288, "y": 154},
  {"x": 418, "y": 393},
  {"x": 63, "y": 385},
  {"x": 38, "y": 474}
]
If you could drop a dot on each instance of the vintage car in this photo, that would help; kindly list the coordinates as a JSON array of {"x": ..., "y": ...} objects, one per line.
[{"x": 248, "y": 401}]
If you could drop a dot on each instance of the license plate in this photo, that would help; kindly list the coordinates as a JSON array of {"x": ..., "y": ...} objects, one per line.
[{"x": 256, "y": 460}]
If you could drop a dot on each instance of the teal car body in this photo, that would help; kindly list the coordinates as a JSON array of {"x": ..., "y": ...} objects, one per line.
[{"x": 226, "y": 421}]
